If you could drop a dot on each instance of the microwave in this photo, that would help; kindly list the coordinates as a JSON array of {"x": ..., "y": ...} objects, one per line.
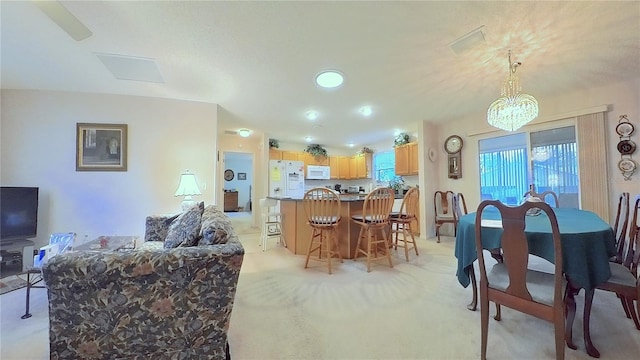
[{"x": 316, "y": 172}]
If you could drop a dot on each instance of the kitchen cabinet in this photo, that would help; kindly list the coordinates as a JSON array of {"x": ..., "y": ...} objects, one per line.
[
  {"x": 344, "y": 168},
  {"x": 363, "y": 164},
  {"x": 406, "y": 159},
  {"x": 312, "y": 160},
  {"x": 275, "y": 154},
  {"x": 292, "y": 155},
  {"x": 334, "y": 166}
]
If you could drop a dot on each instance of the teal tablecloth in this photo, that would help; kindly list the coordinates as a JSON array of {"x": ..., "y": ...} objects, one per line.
[{"x": 587, "y": 244}]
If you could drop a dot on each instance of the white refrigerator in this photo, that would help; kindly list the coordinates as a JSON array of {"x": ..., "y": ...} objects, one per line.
[{"x": 286, "y": 178}]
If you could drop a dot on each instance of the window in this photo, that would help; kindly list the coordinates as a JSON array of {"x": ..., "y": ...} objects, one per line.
[
  {"x": 507, "y": 167},
  {"x": 384, "y": 165}
]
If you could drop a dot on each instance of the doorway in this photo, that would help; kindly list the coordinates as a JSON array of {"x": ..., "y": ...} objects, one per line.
[{"x": 238, "y": 184}]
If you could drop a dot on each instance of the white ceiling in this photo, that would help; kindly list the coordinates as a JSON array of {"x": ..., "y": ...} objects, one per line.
[{"x": 258, "y": 60}]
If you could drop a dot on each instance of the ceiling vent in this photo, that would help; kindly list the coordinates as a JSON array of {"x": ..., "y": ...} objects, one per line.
[
  {"x": 468, "y": 41},
  {"x": 131, "y": 68}
]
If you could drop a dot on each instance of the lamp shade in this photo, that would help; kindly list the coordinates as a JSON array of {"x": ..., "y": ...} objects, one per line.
[{"x": 188, "y": 185}]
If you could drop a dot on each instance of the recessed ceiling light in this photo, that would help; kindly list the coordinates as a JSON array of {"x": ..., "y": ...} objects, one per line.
[
  {"x": 244, "y": 132},
  {"x": 311, "y": 114},
  {"x": 351, "y": 145},
  {"x": 366, "y": 111},
  {"x": 329, "y": 79},
  {"x": 308, "y": 138}
]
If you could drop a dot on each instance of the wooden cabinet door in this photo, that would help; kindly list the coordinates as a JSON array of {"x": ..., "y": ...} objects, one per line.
[
  {"x": 353, "y": 168},
  {"x": 344, "y": 167},
  {"x": 413, "y": 158},
  {"x": 402, "y": 160},
  {"x": 275, "y": 154},
  {"x": 290, "y": 155},
  {"x": 334, "y": 167},
  {"x": 361, "y": 167}
]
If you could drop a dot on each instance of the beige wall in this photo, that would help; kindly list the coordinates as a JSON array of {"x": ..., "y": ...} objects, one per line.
[
  {"x": 620, "y": 98},
  {"x": 38, "y": 132}
]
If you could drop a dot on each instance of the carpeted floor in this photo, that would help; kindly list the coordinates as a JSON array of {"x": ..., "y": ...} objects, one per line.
[
  {"x": 415, "y": 310},
  {"x": 10, "y": 283}
]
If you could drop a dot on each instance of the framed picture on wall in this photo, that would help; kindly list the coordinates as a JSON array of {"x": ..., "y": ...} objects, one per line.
[
  {"x": 242, "y": 176},
  {"x": 101, "y": 147}
]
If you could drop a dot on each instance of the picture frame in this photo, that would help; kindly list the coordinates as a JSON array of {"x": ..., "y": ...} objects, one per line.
[
  {"x": 242, "y": 176},
  {"x": 454, "y": 166},
  {"x": 101, "y": 147}
]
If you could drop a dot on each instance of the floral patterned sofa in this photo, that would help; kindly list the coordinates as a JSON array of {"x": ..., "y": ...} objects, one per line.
[{"x": 168, "y": 299}]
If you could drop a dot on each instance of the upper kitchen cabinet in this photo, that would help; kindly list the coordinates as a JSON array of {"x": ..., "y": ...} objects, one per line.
[
  {"x": 345, "y": 166},
  {"x": 363, "y": 164},
  {"x": 312, "y": 160},
  {"x": 293, "y": 155},
  {"x": 334, "y": 166},
  {"x": 407, "y": 159},
  {"x": 275, "y": 154}
]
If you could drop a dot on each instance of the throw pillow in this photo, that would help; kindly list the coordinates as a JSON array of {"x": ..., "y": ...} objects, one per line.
[
  {"x": 185, "y": 229},
  {"x": 216, "y": 227}
]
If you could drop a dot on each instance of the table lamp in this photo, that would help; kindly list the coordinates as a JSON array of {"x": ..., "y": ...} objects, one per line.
[{"x": 188, "y": 187}]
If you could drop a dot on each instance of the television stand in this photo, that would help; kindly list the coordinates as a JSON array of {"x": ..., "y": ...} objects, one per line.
[{"x": 12, "y": 263}]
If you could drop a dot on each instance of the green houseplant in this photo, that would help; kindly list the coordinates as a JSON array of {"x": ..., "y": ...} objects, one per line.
[
  {"x": 397, "y": 184},
  {"x": 316, "y": 150},
  {"x": 401, "y": 139},
  {"x": 274, "y": 144},
  {"x": 365, "y": 150}
]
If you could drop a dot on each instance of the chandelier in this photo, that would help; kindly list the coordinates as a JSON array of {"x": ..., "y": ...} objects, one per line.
[{"x": 513, "y": 109}]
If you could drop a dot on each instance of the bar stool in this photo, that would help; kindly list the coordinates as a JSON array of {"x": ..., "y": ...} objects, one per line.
[
  {"x": 322, "y": 207},
  {"x": 271, "y": 223},
  {"x": 373, "y": 221},
  {"x": 401, "y": 223}
]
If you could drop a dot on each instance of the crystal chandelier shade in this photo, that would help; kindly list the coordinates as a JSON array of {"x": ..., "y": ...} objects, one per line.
[{"x": 513, "y": 109}]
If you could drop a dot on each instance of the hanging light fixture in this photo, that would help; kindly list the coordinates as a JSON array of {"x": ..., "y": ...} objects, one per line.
[{"x": 513, "y": 109}]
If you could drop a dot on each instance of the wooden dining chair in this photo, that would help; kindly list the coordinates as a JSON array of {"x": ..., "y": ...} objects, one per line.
[
  {"x": 543, "y": 195},
  {"x": 511, "y": 283},
  {"x": 373, "y": 222},
  {"x": 400, "y": 223},
  {"x": 620, "y": 225},
  {"x": 322, "y": 207},
  {"x": 625, "y": 280},
  {"x": 444, "y": 211}
]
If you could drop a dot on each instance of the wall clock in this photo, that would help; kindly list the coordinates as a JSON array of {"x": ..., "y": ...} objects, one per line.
[
  {"x": 228, "y": 174},
  {"x": 453, "y": 146}
]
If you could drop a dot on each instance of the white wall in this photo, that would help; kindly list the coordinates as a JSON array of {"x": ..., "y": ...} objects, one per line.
[{"x": 165, "y": 137}]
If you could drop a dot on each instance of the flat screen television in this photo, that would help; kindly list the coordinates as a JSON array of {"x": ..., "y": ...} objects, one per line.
[{"x": 18, "y": 212}]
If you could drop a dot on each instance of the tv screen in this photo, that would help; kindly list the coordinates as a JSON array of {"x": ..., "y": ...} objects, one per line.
[{"x": 18, "y": 212}]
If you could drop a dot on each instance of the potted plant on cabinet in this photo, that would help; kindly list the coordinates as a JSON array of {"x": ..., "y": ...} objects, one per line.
[
  {"x": 401, "y": 139},
  {"x": 274, "y": 144},
  {"x": 316, "y": 150}
]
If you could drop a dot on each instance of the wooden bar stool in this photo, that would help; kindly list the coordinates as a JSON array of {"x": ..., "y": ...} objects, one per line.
[
  {"x": 322, "y": 207},
  {"x": 373, "y": 221},
  {"x": 401, "y": 223}
]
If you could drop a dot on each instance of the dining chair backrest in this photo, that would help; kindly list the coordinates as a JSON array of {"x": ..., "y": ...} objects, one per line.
[
  {"x": 544, "y": 196},
  {"x": 508, "y": 283},
  {"x": 377, "y": 206},
  {"x": 409, "y": 207},
  {"x": 620, "y": 225},
  {"x": 631, "y": 256},
  {"x": 322, "y": 206},
  {"x": 443, "y": 203},
  {"x": 459, "y": 205}
]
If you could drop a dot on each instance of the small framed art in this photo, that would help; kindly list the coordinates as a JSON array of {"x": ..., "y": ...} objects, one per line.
[
  {"x": 242, "y": 176},
  {"x": 101, "y": 147}
]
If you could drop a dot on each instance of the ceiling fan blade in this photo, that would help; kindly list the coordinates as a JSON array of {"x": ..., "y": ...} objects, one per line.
[{"x": 65, "y": 19}]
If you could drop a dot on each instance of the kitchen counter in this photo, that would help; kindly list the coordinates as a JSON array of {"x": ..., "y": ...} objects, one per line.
[{"x": 297, "y": 232}]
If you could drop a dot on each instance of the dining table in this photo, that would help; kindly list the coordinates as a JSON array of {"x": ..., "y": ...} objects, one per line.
[{"x": 587, "y": 242}]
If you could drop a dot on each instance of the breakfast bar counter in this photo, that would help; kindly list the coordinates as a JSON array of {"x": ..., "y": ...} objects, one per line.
[{"x": 297, "y": 232}]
